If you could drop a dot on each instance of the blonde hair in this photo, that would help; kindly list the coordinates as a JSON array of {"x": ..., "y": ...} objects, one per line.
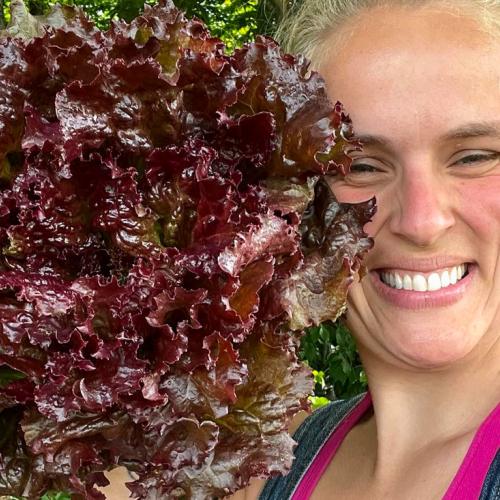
[{"x": 305, "y": 30}]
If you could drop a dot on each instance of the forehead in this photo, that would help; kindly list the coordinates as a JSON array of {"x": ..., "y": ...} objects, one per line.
[{"x": 414, "y": 73}]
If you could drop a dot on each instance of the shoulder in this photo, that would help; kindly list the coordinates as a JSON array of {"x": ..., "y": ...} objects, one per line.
[
  {"x": 310, "y": 432},
  {"x": 326, "y": 418}
]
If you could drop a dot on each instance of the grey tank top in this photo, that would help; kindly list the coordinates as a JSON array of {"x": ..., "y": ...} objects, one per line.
[{"x": 313, "y": 434}]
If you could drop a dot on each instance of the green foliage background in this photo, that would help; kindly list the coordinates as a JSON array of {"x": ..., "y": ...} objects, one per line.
[
  {"x": 329, "y": 349},
  {"x": 234, "y": 21}
]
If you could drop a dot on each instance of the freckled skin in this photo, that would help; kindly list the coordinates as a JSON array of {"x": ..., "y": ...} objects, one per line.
[{"x": 412, "y": 79}]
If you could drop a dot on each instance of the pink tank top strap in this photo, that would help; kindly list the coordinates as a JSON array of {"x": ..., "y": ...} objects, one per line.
[
  {"x": 468, "y": 481},
  {"x": 325, "y": 455},
  {"x": 470, "y": 477}
]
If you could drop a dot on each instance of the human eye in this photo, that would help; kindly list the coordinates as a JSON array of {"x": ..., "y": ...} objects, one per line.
[
  {"x": 365, "y": 177},
  {"x": 363, "y": 168},
  {"x": 477, "y": 158},
  {"x": 364, "y": 172}
]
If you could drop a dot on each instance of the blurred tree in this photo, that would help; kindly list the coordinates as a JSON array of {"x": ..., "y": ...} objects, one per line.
[
  {"x": 234, "y": 21},
  {"x": 329, "y": 349},
  {"x": 38, "y": 7},
  {"x": 100, "y": 11},
  {"x": 238, "y": 21}
]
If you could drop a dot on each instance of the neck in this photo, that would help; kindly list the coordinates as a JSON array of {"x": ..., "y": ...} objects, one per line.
[{"x": 416, "y": 410}]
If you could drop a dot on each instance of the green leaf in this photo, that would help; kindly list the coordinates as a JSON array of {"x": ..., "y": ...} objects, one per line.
[
  {"x": 319, "y": 378},
  {"x": 8, "y": 375},
  {"x": 318, "y": 401},
  {"x": 56, "y": 495},
  {"x": 329, "y": 349}
]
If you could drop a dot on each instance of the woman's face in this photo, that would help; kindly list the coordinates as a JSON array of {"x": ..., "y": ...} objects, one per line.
[{"x": 423, "y": 90}]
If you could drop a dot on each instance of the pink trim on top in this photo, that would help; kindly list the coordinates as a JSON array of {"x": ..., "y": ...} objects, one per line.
[
  {"x": 470, "y": 477},
  {"x": 328, "y": 450},
  {"x": 466, "y": 484}
]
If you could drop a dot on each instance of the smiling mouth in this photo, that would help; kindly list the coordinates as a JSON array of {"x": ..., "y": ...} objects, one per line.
[{"x": 425, "y": 282}]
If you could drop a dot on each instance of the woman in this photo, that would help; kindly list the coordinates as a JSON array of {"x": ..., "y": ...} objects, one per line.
[{"x": 421, "y": 82}]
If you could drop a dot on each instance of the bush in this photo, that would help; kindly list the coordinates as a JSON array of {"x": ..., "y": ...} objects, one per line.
[{"x": 330, "y": 351}]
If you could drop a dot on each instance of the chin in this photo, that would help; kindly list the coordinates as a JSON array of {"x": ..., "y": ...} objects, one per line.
[{"x": 432, "y": 349}]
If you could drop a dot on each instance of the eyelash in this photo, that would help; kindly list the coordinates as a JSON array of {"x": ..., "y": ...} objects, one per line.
[
  {"x": 365, "y": 165},
  {"x": 466, "y": 160},
  {"x": 478, "y": 158}
]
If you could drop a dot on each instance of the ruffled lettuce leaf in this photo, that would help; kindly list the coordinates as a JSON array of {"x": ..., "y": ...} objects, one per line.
[{"x": 166, "y": 233}]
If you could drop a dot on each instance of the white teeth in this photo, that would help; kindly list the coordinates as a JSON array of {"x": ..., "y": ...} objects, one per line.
[
  {"x": 433, "y": 282},
  {"x": 399, "y": 281},
  {"x": 407, "y": 282},
  {"x": 453, "y": 276},
  {"x": 464, "y": 268},
  {"x": 445, "y": 279},
  {"x": 418, "y": 282}
]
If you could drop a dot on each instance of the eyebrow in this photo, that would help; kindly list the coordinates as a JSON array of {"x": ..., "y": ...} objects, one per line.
[
  {"x": 373, "y": 140},
  {"x": 477, "y": 129}
]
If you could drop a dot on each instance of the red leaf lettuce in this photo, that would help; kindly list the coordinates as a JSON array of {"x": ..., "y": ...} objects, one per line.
[{"x": 166, "y": 233}]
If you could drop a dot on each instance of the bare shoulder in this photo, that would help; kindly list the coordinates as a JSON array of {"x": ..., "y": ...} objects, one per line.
[
  {"x": 117, "y": 477},
  {"x": 297, "y": 421},
  {"x": 251, "y": 492},
  {"x": 117, "y": 490}
]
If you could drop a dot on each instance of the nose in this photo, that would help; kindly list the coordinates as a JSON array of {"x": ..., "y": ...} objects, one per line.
[{"x": 422, "y": 210}]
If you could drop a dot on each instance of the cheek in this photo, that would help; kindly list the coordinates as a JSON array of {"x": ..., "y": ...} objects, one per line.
[
  {"x": 349, "y": 194},
  {"x": 479, "y": 206},
  {"x": 477, "y": 201}
]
